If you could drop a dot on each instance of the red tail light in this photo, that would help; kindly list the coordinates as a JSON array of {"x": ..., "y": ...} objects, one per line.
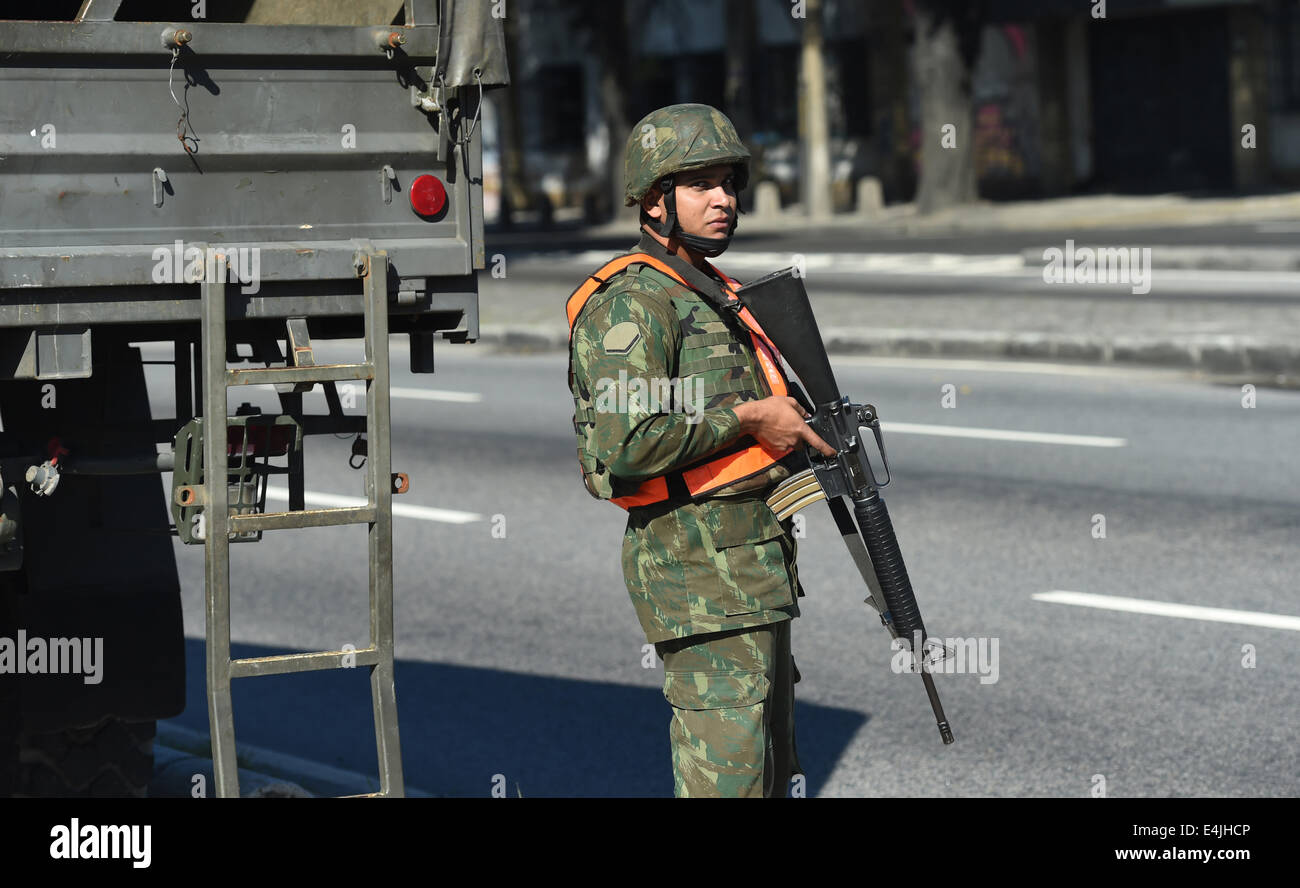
[{"x": 428, "y": 196}]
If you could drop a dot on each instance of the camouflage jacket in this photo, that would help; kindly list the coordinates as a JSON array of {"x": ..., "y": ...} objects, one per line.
[{"x": 691, "y": 567}]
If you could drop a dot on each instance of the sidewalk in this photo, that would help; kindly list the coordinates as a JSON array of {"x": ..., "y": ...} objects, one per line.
[
  {"x": 1097, "y": 212},
  {"x": 1214, "y": 324}
]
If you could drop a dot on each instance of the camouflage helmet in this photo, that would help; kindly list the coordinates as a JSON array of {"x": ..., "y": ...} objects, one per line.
[{"x": 681, "y": 137}]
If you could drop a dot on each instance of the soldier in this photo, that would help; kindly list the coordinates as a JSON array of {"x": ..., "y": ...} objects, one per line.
[{"x": 682, "y": 417}]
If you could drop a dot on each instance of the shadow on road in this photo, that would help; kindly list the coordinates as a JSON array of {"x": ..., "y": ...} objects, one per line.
[{"x": 462, "y": 726}]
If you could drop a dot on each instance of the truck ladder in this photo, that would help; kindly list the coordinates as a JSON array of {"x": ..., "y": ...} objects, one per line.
[{"x": 372, "y": 267}]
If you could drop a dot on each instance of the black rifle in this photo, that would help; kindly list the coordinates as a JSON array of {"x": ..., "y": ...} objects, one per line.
[{"x": 780, "y": 305}]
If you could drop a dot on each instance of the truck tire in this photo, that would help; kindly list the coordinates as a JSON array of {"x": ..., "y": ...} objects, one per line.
[{"x": 109, "y": 759}]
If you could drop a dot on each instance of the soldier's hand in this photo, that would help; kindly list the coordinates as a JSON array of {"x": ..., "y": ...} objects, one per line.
[{"x": 778, "y": 423}]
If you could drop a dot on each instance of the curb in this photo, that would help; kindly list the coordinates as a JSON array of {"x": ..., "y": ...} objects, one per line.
[
  {"x": 1083, "y": 214},
  {"x": 1208, "y": 353},
  {"x": 182, "y": 753}
]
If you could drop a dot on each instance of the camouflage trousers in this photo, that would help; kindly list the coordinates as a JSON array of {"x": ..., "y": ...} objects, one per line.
[{"x": 732, "y": 729}]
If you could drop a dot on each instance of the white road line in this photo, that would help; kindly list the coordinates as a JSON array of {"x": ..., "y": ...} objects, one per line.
[
  {"x": 892, "y": 263},
  {"x": 913, "y": 428},
  {"x": 1167, "y": 609},
  {"x": 420, "y": 394},
  {"x": 977, "y": 364},
  {"x": 951, "y": 265},
  {"x": 414, "y": 394},
  {"x": 334, "y": 501}
]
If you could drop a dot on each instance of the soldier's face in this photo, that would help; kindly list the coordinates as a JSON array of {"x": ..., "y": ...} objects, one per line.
[{"x": 706, "y": 201}]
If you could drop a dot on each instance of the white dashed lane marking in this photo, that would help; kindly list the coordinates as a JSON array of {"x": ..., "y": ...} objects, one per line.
[
  {"x": 1169, "y": 609},
  {"x": 413, "y": 394},
  {"x": 402, "y": 510},
  {"x": 419, "y": 394},
  {"x": 859, "y": 263},
  {"x": 915, "y": 428}
]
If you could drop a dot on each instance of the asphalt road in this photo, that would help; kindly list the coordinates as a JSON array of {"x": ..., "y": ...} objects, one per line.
[
  {"x": 519, "y": 654},
  {"x": 1245, "y": 323}
]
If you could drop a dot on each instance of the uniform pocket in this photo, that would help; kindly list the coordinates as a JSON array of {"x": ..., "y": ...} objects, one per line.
[
  {"x": 753, "y": 554},
  {"x": 719, "y": 733},
  {"x": 715, "y": 690}
]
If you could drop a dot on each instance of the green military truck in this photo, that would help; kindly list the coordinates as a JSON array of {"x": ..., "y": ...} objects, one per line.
[{"x": 238, "y": 179}]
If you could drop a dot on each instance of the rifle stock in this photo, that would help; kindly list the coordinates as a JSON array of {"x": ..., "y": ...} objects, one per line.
[{"x": 780, "y": 304}]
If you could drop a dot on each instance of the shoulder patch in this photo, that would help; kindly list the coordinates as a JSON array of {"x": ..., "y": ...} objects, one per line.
[{"x": 620, "y": 338}]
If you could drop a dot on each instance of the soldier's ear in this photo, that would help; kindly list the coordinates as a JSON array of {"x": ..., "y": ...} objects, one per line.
[{"x": 652, "y": 203}]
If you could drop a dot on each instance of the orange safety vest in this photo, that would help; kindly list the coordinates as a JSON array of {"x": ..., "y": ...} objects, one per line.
[{"x": 720, "y": 471}]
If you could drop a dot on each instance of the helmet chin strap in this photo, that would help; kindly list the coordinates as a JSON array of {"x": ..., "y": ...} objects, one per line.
[
  {"x": 708, "y": 246},
  {"x": 705, "y": 246}
]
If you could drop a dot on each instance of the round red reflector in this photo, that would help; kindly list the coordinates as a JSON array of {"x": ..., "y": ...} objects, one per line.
[{"x": 428, "y": 196}]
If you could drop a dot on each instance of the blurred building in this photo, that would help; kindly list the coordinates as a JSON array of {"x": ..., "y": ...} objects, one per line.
[
  {"x": 1165, "y": 94},
  {"x": 1152, "y": 97}
]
